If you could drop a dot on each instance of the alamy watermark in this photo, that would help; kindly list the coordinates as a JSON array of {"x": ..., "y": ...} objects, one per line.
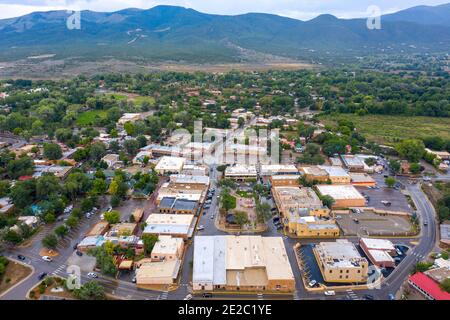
[{"x": 374, "y": 17}]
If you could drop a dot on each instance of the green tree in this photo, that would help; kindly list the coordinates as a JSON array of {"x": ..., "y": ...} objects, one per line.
[
  {"x": 50, "y": 241},
  {"x": 241, "y": 218},
  {"x": 149, "y": 242},
  {"x": 52, "y": 151},
  {"x": 61, "y": 231},
  {"x": 445, "y": 285},
  {"x": 227, "y": 201},
  {"x": 90, "y": 291},
  {"x": 263, "y": 212},
  {"x": 390, "y": 181},
  {"x": 327, "y": 201},
  {"x": 112, "y": 217},
  {"x": 411, "y": 149}
]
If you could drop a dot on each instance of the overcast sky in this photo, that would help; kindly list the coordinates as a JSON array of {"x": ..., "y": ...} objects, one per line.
[{"x": 299, "y": 9}]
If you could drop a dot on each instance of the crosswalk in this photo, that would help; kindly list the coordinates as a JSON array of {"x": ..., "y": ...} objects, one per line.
[
  {"x": 417, "y": 255},
  {"x": 296, "y": 297},
  {"x": 260, "y": 296},
  {"x": 61, "y": 270},
  {"x": 163, "y": 296},
  {"x": 352, "y": 294}
]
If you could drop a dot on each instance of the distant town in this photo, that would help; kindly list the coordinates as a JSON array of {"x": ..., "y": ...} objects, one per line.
[{"x": 107, "y": 192}]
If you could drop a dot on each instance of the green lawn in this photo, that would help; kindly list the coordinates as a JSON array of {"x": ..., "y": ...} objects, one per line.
[
  {"x": 88, "y": 117},
  {"x": 385, "y": 129},
  {"x": 141, "y": 99}
]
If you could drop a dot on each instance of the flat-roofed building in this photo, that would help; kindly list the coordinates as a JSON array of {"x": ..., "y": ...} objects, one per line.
[
  {"x": 340, "y": 262},
  {"x": 362, "y": 179},
  {"x": 100, "y": 228},
  {"x": 285, "y": 180},
  {"x": 241, "y": 263},
  {"x": 379, "y": 251},
  {"x": 161, "y": 151},
  {"x": 190, "y": 180},
  {"x": 178, "y": 206},
  {"x": 241, "y": 172},
  {"x": 353, "y": 163},
  {"x": 129, "y": 117},
  {"x": 195, "y": 170},
  {"x": 334, "y": 174},
  {"x": 440, "y": 155},
  {"x": 445, "y": 234},
  {"x": 167, "y": 165},
  {"x": 157, "y": 273},
  {"x": 428, "y": 287},
  {"x": 167, "y": 248},
  {"x": 336, "y": 162},
  {"x": 291, "y": 199},
  {"x": 176, "y": 225},
  {"x": 112, "y": 160},
  {"x": 305, "y": 226},
  {"x": 278, "y": 169},
  {"x": 345, "y": 196}
]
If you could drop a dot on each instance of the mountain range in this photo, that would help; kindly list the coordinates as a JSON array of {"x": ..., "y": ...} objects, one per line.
[{"x": 172, "y": 33}]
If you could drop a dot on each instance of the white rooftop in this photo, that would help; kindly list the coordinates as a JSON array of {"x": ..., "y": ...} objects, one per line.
[
  {"x": 339, "y": 192},
  {"x": 378, "y": 244}
]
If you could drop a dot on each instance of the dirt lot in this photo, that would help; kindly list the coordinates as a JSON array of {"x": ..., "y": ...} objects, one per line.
[
  {"x": 371, "y": 223},
  {"x": 15, "y": 272}
]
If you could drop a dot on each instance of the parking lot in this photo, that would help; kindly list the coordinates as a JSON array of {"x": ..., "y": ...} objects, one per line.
[
  {"x": 370, "y": 223},
  {"x": 383, "y": 193}
]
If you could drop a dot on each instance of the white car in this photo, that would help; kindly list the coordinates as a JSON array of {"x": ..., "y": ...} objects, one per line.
[
  {"x": 312, "y": 283},
  {"x": 47, "y": 258},
  {"x": 330, "y": 293},
  {"x": 92, "y": 275},
  {"x": 200, "y": 228},
  {"x": 188, "y": 297}
]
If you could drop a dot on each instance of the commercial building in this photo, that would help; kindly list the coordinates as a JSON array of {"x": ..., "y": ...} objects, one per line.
[
  {"x": 176, "y": 225},
  {"x": 167, "y": 165},
  {"x": 157, "y": 273},
  {"x": 345, "y": 196},
  {"x": 178, "y": 206},
  {"x": 445, "y": 234},
  {"x": 100, "y": 228},
  {"x": 241, "y": 172},
  {"x": 379, "y": 251},
  {"x": 362, "y": 179},
  {"x": 334, "y": 174},
  {"x": 141, "y": 156},
  {"x": 167, "y": 248},
  {"x": 278, "y": 169},
  {"x": 353, "y": 163},
  {"x": 304, "y": 226},
  {"x": 123, "y": 229},
  {"x": 285, "y": 180},
  {"x": 340, "y": 262},
  {"x": 427, "y": 287},
  {"x": 241, "y": 263},
  {"x": 291, "y": 199},
  {"x": 190, "y": 180},
  {"x": 112, "y": 160}
]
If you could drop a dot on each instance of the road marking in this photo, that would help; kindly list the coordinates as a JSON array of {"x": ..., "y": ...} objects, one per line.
[
  {"x": 260, "y": 296},
  {"x": 163, "y": 296}
]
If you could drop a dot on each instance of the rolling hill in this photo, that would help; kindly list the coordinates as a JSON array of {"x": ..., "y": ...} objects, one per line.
[{"x": 166, "y": 33}]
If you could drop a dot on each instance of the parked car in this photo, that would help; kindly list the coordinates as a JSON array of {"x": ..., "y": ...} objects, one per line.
[
  {"x": 330, "y": 293},
  {"x": 109, "y": 209},
  {"x": 312, "y": 283},
  {"x": 75, "y": 246},
  {"x": 425, "y": 223},
  {"x": 92, "y": 275},
  {"x": 134, "y": 279},
  {"x": 47, "y": 258},
  {"x": 79, "y": 253},
  {"x": 200, "y": 228},
  {"x": 188, "y": 297},
  {"x": 42, "y": 275},
  {"x": 368, "y": 297},
  {"x": 21, "y": 257}
]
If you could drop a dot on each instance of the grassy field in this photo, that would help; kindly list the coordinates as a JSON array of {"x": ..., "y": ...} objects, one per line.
[
  {"x": 88, "y": 117},
  {"x": 389, "y": 129},
  {"x": 141, "y": 99}
]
